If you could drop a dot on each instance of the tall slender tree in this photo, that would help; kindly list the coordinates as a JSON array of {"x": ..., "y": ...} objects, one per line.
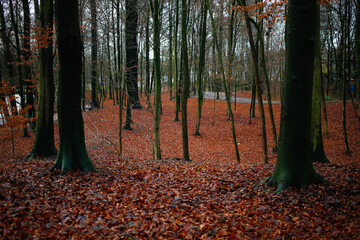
[
  {"x": 176, "y": 76},
  {"x": 224, "y": 83},
  {"x": 200, "y": 72},
  {"x": 186, "y": 80},
  {"x": 155, "y": 11},
  {"x": 254, "y": 57},
  {"x": 293, "y": 164},
  {"x": 94, "y": 53},
  {"x": 29, "y": 86},
  {"x": 317, "y": 148},
  {"x": 44, "y": 140},
  {"x": 72, "y": 149}
]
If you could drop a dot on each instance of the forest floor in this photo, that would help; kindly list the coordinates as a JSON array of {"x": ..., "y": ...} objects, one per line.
[{"x": 211, "y": 197}]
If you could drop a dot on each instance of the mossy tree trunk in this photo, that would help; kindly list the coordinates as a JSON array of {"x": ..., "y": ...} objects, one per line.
[
  {"x": 155, "y": 11},
  {"x": 317, "y": 150},
  {"x": 72, "y": 149},
  {"x": 44, "y": 140},
  {"x": 293, "y": 165}
]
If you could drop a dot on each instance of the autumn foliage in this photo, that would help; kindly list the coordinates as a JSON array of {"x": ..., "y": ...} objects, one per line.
[{"x": 211, "y": 197}]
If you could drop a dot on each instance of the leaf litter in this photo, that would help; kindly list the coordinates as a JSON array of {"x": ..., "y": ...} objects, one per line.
[{"x": 211, "y": 197}]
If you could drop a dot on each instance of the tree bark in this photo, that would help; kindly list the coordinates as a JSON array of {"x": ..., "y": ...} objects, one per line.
[
  {"x": 44, "y": 139},
  {"x": 293, "y": 165},
  {"x": 94, "y": 48},
  {"x": 176, "y": 80},
  {"x": 155, "y": 10},
  {"x": 72, "y": 149},
  {"x": 317, "y": 151},
  {"x": 257, "y": 83},
  {"x": 131, "y": 48},
  {"x": 186, "y": 80},
  {"x": 201, "y": 68}
]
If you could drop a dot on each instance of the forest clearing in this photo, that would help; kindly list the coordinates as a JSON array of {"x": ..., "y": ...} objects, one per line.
[{"x": 212, "y": 196}]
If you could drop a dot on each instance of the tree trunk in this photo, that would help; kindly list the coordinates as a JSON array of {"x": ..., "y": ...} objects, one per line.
[
  {"x": 29, "y": 85},
  {"x": 147, "y": 59},
  {"x": 155, "y": 10},
  {"x": 293, "y": 164},
  {"x": 72, "y": 149},
  {"x": 186, "y": 80},
  {"x": 170, "y": 48},
  {"x": 200, "y": 72},
  {"x": 131, "y": 48},
  {"x": 317, "y": 150},
  {"x": 258, "y": 87},
  {"x": 44, "y": 140},
  {"x": 176, "y": 80},
  {"x": 94, "y": 48},
  {"x": 344, "y": 80}
]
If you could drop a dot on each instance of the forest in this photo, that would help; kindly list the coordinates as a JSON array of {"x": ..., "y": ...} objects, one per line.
[{"x": 176, "y": 119}]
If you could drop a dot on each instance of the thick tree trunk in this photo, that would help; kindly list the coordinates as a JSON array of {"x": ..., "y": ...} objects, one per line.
[
  {"x": 44, "y": 140},
  {"x": 293, "y": 165},
  {"x": 72, "y": 149},
  {"x": 131, "y": 48}
]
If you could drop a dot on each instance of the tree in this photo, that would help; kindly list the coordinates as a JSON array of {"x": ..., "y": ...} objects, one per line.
[
  {"x": 200, "y": 72},
  {"x": 94, "y": 47},
  {"x": 27, "y": 56},
  {"x": 44, "y": 139},
  {"x": 293, "y": 164},
  {"x": 317, "y": 147},
  {"x": 155, "y": 11},
  {"x": 131, "y": 48},
  {"x": 72, "y": 149},
  {"x": 254, "y": 57},
  {"x": 131, "y": 72},
  {"x": 186, "y": 80},
  {"x": 176, "y": 75}
]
